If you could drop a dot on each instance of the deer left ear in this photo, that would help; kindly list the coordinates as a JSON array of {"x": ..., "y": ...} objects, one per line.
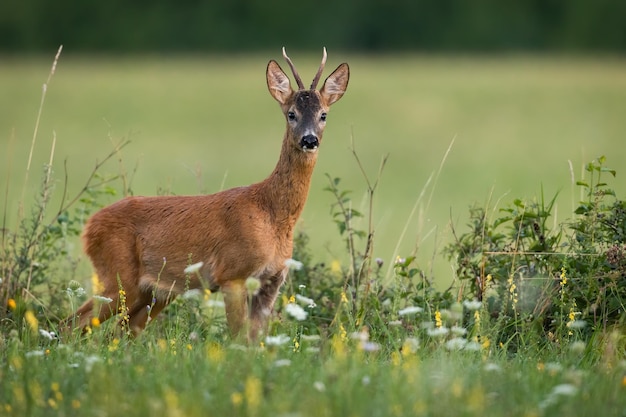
[
  {"x": 336, "y": 84},
  {"x": 278, "y": 83}
]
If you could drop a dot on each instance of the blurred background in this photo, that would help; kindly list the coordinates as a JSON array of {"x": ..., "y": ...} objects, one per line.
[
  {"x": 363, "y": 25},
  {"x": 475, "y": 102}
]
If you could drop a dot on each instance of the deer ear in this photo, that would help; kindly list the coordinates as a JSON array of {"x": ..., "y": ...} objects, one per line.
[
  {"x": 278, "y": 82},
  {"x": 336, "y": 84}
]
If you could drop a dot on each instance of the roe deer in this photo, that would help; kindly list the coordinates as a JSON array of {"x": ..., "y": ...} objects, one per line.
[{"x": 143, "y": 244}]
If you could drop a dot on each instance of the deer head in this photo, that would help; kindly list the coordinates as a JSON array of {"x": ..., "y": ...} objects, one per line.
[{"x": 306, "y": 109}]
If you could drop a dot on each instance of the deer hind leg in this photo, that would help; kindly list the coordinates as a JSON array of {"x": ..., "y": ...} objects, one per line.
[
  {"x": 263, "y": 303},
  {"x": 145, "y": 309},
  {"x": 236, "y": 305}
]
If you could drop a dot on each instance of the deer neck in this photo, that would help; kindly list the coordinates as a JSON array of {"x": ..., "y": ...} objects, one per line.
[{"x": 285, "y": 191}]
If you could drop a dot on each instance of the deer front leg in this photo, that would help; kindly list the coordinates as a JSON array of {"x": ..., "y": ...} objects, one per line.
[
  {"x": 236, "y": 305},
  {"x": 263, "y": 303}
]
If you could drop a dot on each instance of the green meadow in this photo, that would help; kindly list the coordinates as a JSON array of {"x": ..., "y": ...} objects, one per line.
[
  {"x": 513, "y": 124},
  {"x": 520, "y": 321}
]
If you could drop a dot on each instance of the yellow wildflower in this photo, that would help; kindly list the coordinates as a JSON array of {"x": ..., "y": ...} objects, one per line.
[
  {"x": 31, "y": 320},
  {"x": 253, "y": 394},
  {"x": 236, "y": 398},
  {"x": 75, "y": 404},
  {"x": 96, "y": 284},
  {"x": 95, "y": 322},
  {"x": 344, "y": 297},
  {"x": 438, "y": 322},
  {"x": 11, "y": 304}
]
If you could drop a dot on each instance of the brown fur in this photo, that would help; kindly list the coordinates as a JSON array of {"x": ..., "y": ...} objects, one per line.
[{"x": 143, "y": 244}]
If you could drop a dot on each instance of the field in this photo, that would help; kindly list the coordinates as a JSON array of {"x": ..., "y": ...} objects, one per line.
[
  {"x": 459, "y": 131},
  {"x": 203, "y": 124}
]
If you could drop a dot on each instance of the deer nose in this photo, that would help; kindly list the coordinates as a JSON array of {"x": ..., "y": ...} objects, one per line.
[{"x": 309, "y": 142}]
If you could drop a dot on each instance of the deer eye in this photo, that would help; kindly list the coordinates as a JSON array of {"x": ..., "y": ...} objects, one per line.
[
  {"x": 323, "y": 117},
  {"x": 291, "y": 116}
]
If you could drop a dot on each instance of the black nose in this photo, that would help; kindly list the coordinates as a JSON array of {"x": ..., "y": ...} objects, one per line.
[{"x": 309, "y": 142}]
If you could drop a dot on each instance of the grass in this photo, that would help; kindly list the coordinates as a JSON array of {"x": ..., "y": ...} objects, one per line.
[
  {"x": 200, "y": 124},
  {"x": 206, "y": 123}
]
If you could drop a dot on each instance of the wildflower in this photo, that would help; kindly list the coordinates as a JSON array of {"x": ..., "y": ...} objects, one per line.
[
  {"x": 310, "y": 337},
  {"x": 48, "y": 335},
  {"x": 319, "y": 386},
  {"x": 102, "y": 299},
  {"x": 565, "y": 390},
  {"x": 458, "y": 330},
  {"x": 191, "y": 294},
  {"x": 578, "y": 346},
  {"x": 368, "y": 346},
  {"x": 492, "y": 367},
  {"x": 309, "y": 302},
  {"x": 400, "y": 261},
  {"x": 278, "y": 340},
  {"x": 473, "y": 346},
  {"x": 438, "y": 331},
  {"x": 11, "y": 304},
  {"x": 379, "y": 262},
  {"x": 344, "y": 297},
  {"x": 215, "y": 304},
  {"x": 193, "y": 268},
  {"x": 472, "y": 305},
  {"x": 253, "y": 394},
  {"x": 31, "y": 320},
  {"x": 280, "y": 363},
  {"x": 410, "y": 310},
  {"x": 335, "y": 267},
  {"x": 395, "y": 323},
  {"x": 366, "y": 380},
  {"x": 253, "y": 285},
  {"x": 438, "y": 322},
  {"x": 456, "y": 343},
  {"x": 293, "y": 264},
  {"x": 577, "y": 324},
  {"x": 410, "y": 345},
  {"x": 34, "y": 353},
  {"x": 236, "y": 398},
  {"x": 295, "y": 311}
]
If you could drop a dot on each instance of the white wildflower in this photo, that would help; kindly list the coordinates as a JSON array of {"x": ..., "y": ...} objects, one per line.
[
  {"x": 577, "y": 324},
  {"x": 293, "y": 264},
  {"x": 319, "y": 386},
  {"x": 280, "y": 363},
  {"x": 295, "y": 311},
  {"x": 458, "y": 330},
  {"x": 34, "y": 353},
  {"x": 395, "y": 323},
  {"x": 362, "y": 336},
  {"x": 310, "y": 337},
  {"x": 473, "y": 346},
  {"x": 411, "y": 344},
  {"x": 472, "y": 305},
  {"x": 366, "y": 380},
  {"x": 410, "y": 310},
  {"x": 193, "y": 268},
  {"x": 48, "y": 335},
  {"x": 492, "y": 367},
  {"x": 191, "y": 294},
  {"x": 277, "y": 340},
  {"x": 437, "y": 331},
  {"x": 456, "y": 343},
  {"x": 578, "y": 346},
  {"x": 309, "y": 302},
  {"x": 102, "y": 299},
  {"x": 215, "y": 303},
  {"x": 312, "y": 349},
  {"x": 368, "y": 346}
]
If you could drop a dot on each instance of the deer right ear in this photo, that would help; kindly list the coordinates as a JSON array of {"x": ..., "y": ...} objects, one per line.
[{"x": 278, "y": 83}]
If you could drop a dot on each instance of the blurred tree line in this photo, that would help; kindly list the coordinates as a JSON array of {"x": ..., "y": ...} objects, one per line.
[{"x": 364, "y": 25}]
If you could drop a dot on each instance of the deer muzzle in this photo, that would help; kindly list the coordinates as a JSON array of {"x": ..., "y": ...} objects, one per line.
[{"x": 309, "y": 143}]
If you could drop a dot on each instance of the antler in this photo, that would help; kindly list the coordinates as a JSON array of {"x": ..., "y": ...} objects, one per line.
[
  {"x": 293, "y": 69},
  {"x": 319, "y": 71}
]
